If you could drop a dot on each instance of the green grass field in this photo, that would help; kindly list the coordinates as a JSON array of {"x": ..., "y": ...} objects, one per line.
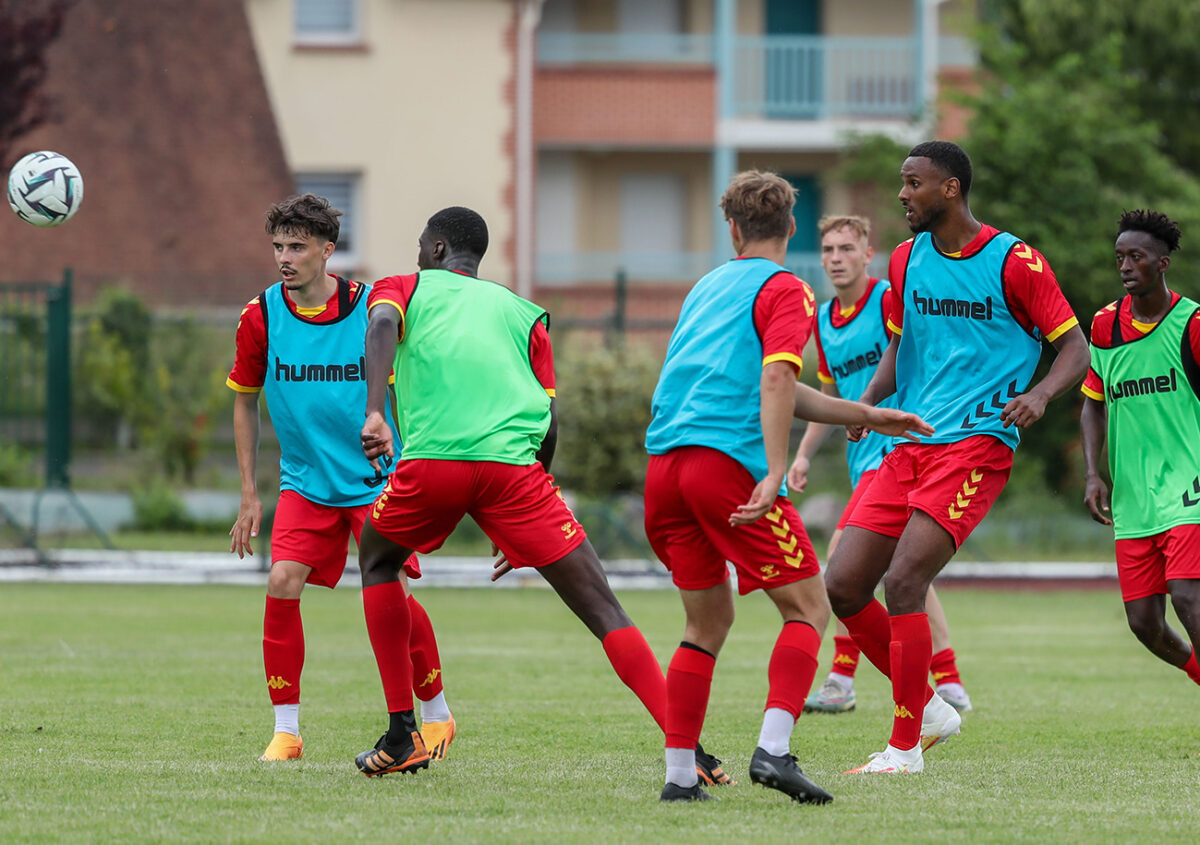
[{"x": 135, "y": 714}]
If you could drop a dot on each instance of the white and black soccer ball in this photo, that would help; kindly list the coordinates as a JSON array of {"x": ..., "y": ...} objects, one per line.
[{"x": 45, "y": 188}]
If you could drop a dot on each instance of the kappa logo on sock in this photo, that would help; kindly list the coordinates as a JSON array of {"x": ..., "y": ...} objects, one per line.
[
  {"x": 902, "y": 712},
  {"x": 937, "y": 676},
  {"x": 430, "y": 678},
  {"x": 277, "y": 682},
  {"x": 846, "y": 660}
]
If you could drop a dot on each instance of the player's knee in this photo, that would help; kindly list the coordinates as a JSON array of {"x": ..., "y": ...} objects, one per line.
[{"x": 1149, "y": 628}]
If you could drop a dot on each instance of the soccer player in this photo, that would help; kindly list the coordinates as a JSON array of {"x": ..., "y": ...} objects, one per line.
[
  {"x": 475, "y": 381},
  {"x": 972, "y": 307},
  {"x": 851, "y": 335},
  {"x": 715, "y": 488},
  {"x": 1143, "y": 396},
  {"x": 300, "y": 342}
]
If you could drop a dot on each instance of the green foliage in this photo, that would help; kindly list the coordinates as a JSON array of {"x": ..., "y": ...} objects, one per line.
[
  {"x": 158, "y": 507},
  {"x": 871, "y": 165},
  {"x": 603, "y": 410},
  {"x": 17, "y": 467}
]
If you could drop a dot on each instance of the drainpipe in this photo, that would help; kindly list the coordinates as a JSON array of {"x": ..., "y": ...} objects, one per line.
[
  {"x": 529, "y": 13},
  {"x": 724, "y": 155}
]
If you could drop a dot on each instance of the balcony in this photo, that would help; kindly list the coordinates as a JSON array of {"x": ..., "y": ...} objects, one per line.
[{"x": 778, "y": 77}]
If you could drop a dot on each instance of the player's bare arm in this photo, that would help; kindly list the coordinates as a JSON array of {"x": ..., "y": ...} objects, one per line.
[
  {"x": 380, "y": 343},
  {"x": 814, "y": 435},
  {"x": 245, "y": 438},
  {"x": 1070, "y": 366},
  {"x": 776, "y": 384},
  {"x": 1093, "y": 425},
  {"x": 814, "y": 405}
]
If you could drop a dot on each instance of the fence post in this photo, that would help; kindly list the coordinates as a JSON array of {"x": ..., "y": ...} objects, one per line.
[
  {"x": 620, "y": 295},
  {"x": 58, "y": 384}
]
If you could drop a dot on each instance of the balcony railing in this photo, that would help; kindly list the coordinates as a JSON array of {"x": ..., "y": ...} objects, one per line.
[
  {"x": 787, "y": 77},
  {"x": 568, "y": 48}
]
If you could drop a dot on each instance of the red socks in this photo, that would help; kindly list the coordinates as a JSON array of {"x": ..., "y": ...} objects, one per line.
[
  {"x": 871, "y": 629},
  {"x": 792, "y": 667},
  {"x": 944, "y": 669},
  {"x": 422, "y": 645},
  {"x": 911, "y": 650},
  {"x": 283, "y": 649},
  {"x": 389, "y": 624},
  {"x": 845, "y": 656},
  {"x": 1192, "y": 668},
  {"x": 638, "y": 668},
  {"x": 689, "y": 681}
]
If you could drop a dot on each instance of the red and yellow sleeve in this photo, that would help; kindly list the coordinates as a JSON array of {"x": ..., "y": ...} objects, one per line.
[
  {"x": 823, "y": 373},
  {"x": 250, "y": 355},
  {"x": 897, "y": 267},
  {"x": 396, "y": 291},
  {"x": 785, "y": 314},
  {"x": 1034, "y": 294},
  {"x": 541, "y": 357}
]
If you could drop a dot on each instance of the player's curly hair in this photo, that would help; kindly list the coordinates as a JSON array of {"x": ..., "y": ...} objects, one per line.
[
  {"x": 950, "y": 158},
  {"x": 463, "y": 230},
  {"x": 760, "y": 203},
  {"x": 305, "y": 214},
  {"x": 1153, "y": 223}
]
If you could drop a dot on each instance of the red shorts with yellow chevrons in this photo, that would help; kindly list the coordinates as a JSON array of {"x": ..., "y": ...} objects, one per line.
[
  {"x": 954, "y": 483},
  {"x": 690, "y": 493}
]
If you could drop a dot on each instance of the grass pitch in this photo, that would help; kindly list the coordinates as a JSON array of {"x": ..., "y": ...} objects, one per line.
[{"x": 132, "y": 714}]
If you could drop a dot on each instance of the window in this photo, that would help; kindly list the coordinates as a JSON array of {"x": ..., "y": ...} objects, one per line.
[
  {"x": 341, "y": 189},
  {"x": 327, "y": 22}
]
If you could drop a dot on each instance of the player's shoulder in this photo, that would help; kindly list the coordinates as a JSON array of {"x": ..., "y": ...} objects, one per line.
[
  {"x": 1023, "y": 258},
  {"x": 393, "y": 289},
  {"x": 1102, "y": 323}
]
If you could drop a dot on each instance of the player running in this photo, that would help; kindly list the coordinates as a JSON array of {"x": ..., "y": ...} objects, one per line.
[
  {"x": 715, "y": 488},
  {"x": 300, "y": 342},
  {"x": 851, "y": 335},
  {"x": 475, "y": 381},
  {"x": 972, "y": 306},
  {"x": 1143, "y": 396}
]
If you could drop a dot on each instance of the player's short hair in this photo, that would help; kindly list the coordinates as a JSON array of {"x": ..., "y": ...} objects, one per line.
[
  {"x": 948, "y": 157},
  {"x": 1153, "y": 223},
  {"x": 462, "y": 229},
  {"x": 306, "y": 214},
  {"x": 833, "y": 222},
  {"x": 760, "y": 203}
]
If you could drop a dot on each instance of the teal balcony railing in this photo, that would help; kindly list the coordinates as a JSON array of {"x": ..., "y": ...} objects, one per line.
[
  {"x": 684, "y": 267},
  {"x": 568, "y": 48},
  {"x": 787, "y": 77}
]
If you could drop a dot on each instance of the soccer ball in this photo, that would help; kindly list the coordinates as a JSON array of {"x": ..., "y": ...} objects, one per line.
[{"x": 45, "y": 188}]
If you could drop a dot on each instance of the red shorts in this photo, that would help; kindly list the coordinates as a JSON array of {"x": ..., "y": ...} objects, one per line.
[
  {"x": 954, "y": 483},
  {"x": 518, "y": 508},
  {"x": 864, "y": 481},
  {"x": 690, "y": 493},
  {"x": 318, "y": 536},
  {"x": 1146, "y": 564}
]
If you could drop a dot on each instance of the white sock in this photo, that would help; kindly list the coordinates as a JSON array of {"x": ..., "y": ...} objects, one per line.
[
  {"x": 843, "y": 681},
  {"x": 681, "y": 767},
  {"x": 953, "y": 689},
  {"x": 287, "y": 719},
  {"x": 776, "y": 734},
  {"x": 435, "y": 709}
]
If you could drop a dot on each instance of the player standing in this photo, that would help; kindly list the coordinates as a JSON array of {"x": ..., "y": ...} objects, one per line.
[
  {"x": 475, "y": 380},
  {"x": 300, "y": 342},
  {"x": 1143, "y": 396},
  {"x": 851, "y": 335},
  {"x": 718, "y": 443},
  {"x": 972, "y": 305}
]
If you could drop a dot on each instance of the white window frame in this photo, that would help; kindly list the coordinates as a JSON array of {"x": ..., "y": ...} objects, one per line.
[
  {"x": 313, "y": 37},
  {"x": 328, "y": 184}
]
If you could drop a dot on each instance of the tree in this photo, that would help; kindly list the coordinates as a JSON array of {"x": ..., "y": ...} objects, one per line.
[{"x": 26, "y": 30}]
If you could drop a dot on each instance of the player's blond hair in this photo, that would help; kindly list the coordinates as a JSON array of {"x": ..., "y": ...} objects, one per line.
[
  {"x": 833, "y": 222},
  {"x": 760, "y": 202}
]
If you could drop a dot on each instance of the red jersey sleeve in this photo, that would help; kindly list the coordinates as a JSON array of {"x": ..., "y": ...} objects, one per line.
[
  {"x": 250, "y": 356},
  {"x": 785, "y": 314},
  {"x": 1100, "y": 334},
  {"x": 887, "y": 304},
  {"x": 1194, "y": 335},
  {"x": 824, "y": 375},
  {"x": 1033, "y": 294},
  {"x": 396, "y": 291},
  {"x": 541, "y": 356},
  {"x": 897, "y": 267}
]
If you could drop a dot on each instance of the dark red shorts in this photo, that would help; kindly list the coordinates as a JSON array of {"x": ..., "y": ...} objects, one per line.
[
  {"x": 864, "y": 481},
  {"x": 518, "y": 508},
  {"x": 1146, "y": 564},
  {"x": 954, "y": 483},
  {"x": 318, "y": 536},
  {"x": 690, "y": 493}
]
